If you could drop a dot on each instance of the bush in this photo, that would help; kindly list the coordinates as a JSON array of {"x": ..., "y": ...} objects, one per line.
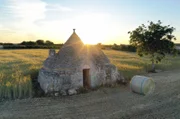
[
  {"x": 122, "y": 47},
  {"x": 14, "y": 46},
  {"x": 127, "y": 48},
  {"x": 115, "y": 47},
  {"x": 55, "y": 46}
]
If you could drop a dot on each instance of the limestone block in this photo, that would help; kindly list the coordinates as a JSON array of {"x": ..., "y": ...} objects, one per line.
[{"x": 72, "y": 92}]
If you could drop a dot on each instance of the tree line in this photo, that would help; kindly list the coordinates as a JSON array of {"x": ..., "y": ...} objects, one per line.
[{"x": 38, "y": 44}]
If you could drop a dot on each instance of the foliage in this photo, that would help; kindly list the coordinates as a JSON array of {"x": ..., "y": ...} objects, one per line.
[
  {"x": 127, "y": 48},
  {"x": 7, "y": 44},
  {"x": 55, "y": 46},
  {"x": 123, "y": 47},
  {"x": 14, "y": 46},
  {"x": 115, "y": 47},
  {"x": 154, "y": 40},
  {"x": 28, "y": 43},
  {"x": 39, "y": 44},
  {"x": 49, "y": 43}
]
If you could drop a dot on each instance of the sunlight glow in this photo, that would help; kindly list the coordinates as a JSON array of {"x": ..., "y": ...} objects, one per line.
[{"x": 92, "y": 28}]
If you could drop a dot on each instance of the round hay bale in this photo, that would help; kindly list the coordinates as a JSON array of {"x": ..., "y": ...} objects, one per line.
[{"x": 142, "y": 85}]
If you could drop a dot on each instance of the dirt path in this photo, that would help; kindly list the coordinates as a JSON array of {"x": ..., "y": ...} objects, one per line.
[{"x": 105, "y": 103}]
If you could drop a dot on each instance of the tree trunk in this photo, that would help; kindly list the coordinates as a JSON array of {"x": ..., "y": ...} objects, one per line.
[{"x": 153, "y": 66}]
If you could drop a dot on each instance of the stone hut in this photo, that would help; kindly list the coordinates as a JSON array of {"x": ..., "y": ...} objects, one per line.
[{"x": 76, "y": 65}]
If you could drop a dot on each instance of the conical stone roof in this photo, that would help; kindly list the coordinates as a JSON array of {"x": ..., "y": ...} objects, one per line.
[
  {"x": 67, "y": 56},
  {"x": 73, "y": 40},
  {"x": 74, "y": 53}
]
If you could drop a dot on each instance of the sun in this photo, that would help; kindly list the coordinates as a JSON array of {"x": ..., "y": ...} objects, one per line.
[
  {"x": 92, "y": 37},
  {"x": 93, "y": 34},
  {"x": 92, "y": 28}
]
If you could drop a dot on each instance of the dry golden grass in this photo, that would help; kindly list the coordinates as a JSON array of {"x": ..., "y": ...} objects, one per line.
[{"x": 18, "y": 67}]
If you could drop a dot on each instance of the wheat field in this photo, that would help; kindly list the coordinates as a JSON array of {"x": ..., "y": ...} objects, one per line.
[{"x": 19, "y": 67}]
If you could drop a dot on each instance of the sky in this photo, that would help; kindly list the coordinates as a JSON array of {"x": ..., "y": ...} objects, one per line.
[{"x": 95, "y": 21}]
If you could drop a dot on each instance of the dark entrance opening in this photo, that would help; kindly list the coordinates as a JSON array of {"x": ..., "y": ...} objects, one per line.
[{"x": 86, "y": 79}]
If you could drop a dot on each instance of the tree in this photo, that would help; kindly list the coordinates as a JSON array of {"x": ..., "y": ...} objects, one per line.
[
  {"x": 28, "y": 43},
  {"x": 23, "y": 43},
  {"x": 154, "y": 40},
  {"x": 40, "y": 42},
  {"x": 49, "y": 43}
]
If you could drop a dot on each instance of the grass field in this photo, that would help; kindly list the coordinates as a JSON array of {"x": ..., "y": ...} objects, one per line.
[
  {"x": 131, "y": 64},
  {"x": 18, "y": 67}
]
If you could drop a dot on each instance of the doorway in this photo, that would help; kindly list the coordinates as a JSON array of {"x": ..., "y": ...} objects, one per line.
[{"x": 86, "y": 79}]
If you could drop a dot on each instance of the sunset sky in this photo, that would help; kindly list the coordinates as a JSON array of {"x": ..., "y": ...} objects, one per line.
[{"x": 104, "y": 21}]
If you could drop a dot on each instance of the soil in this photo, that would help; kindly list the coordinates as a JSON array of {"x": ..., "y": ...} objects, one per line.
[{"x": 105, "y": 103}]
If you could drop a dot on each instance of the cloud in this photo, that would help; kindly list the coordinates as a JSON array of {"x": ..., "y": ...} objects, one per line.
[
  {"x": 20, "y": 17},
  {"x": 32, "y": 10},
  {"x": 56, "y": 7},
  {"x": 27, "y": 14},
  {"x": 27, "y": 10}
]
